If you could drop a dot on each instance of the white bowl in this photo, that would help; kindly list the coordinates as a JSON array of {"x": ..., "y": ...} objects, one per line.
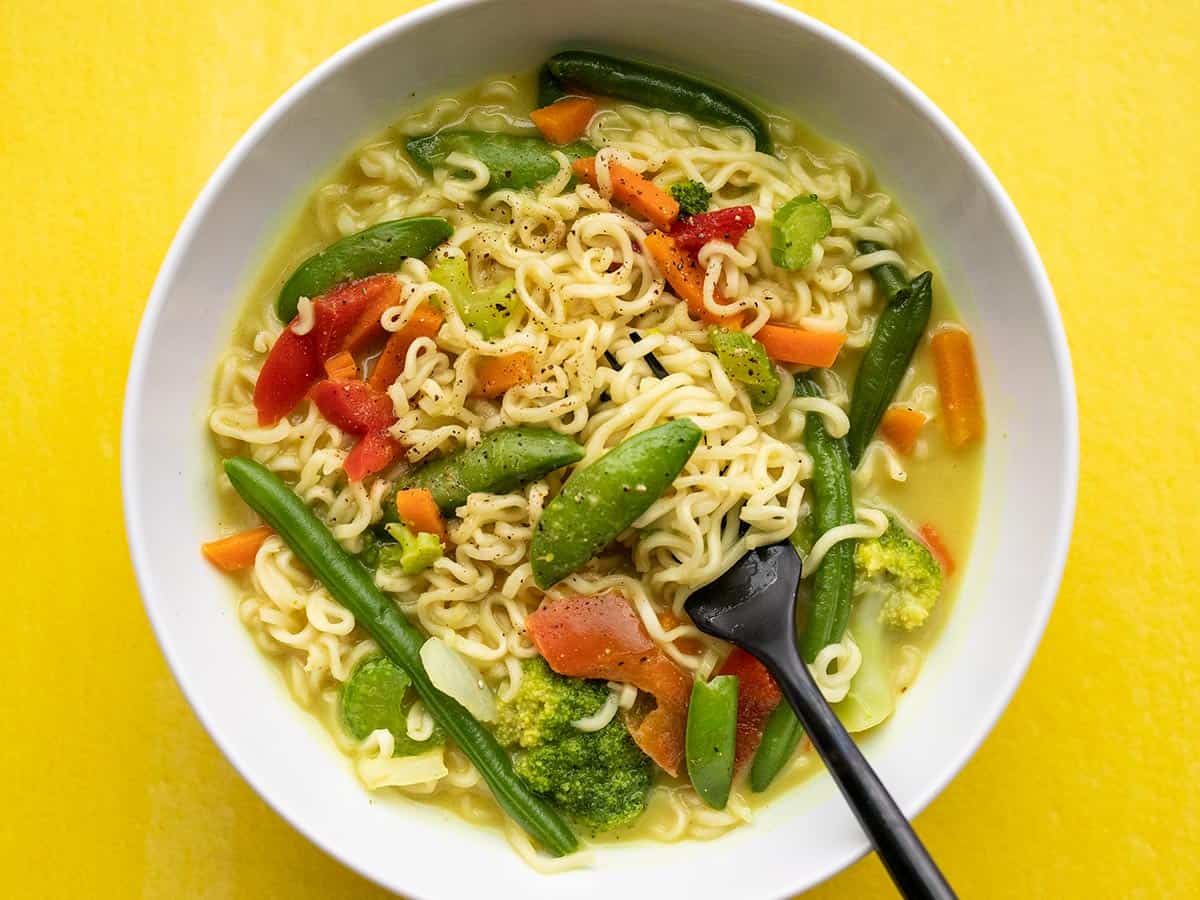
[{"x": 759, "y": 48}]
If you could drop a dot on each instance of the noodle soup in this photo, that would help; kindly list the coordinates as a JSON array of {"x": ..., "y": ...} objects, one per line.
[{"x": 458, "y": 417}]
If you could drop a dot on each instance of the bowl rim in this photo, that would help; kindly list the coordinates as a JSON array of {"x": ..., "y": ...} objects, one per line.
[{"x": 1067, "y": 464}]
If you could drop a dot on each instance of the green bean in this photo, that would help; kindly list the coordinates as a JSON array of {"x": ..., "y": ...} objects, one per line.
[
  {"x": 833, "y": 505},
  {"x": 513, "y": 160},
  {"x": 380, "y": 248},
  {"x": 781, "y": 736},
  {"x": 657, "y": 87},
  {"x": 711, "y": 738},
  {"x": 886, "y": 359},
  {"x": 600, "y": 501},
  {"x": 503, "y": 461},
  {"x": 352, "y": 586}
]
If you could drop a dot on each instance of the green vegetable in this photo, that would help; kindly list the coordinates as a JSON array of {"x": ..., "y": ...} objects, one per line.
[
  {"x": 692, "y": 196},
  {"x": 599, "y": 502},
  {"x": 505, "y": 460},
  {"x": 487, "y": 311},
  {"x": 711, "y": 738},
  {"x": 600, "y": 778},
  {"x": 802, "y": 538},
  {"x": 657, "y": 87},
  {"x": 545, "y": 706},
  {"x": 380, "y": 248},
  {"x": 745, "y": 360},
  {"x": 781, "y": 736},
  {"x": 548, "y": 89},
  {"x": 886, "y": 359},
  {"x": 352, "y": 586},
  {"x": 377, "y": 696},
  {"x": 833, "y": 505},
  {"x": 872, "y": 696},
  {"x": 514, "y": 160},
  {"x": 900, "y": 569},
  {"x": 369, "y": 554},
  {"x": 797, "y": 226},
  {"x": 412, "y": 553}
]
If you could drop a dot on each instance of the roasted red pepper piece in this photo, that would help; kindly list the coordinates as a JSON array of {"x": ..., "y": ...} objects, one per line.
[
  {"x": 758, "y": 695},
  {"x": 729, "y": 224},
  {"x": 359, "y": 409},
  {"x": 296, "y": 361}
]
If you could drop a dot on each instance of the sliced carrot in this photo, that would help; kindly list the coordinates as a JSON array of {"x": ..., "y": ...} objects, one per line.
[
  {"x": 237, "y": 551},
  {"x": 341, "y": 367},
  {"x": 566, "y": 120},
  {"x": 496, "y": 374},
  {"x": 789, "y": 344},
  {"x": 937, "y": 547},
  {"x": 686, "y": 278},
  {"x": 901, "y": 426},
  {"x": 425, "y": 322},
  {"x": 417, "y": 510},
  {"x": 962, "y": 408},
  {"x": 641, "y": 196},
  {"x": 386, "y": 292}
]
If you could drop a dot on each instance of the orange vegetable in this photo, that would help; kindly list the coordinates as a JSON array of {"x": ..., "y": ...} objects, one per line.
[
  {"x": 386, "y": 293},
  {"x": 341, "y": 367},
  {"x": 237, "y": 551},
  {"x": 641, "y": 196},
  {"x": 937, "y": 547},
  {"x": 954, "y": 359},
  {"x": 789, "y": 344},
  {"x": 419, "y": 512},
  {"x": 901, "y": 427},
  {"x": 686, "y": 278},
  {"x": 425, "y": 322},
  {"x": 566, "y": 120},
  {"x": 496, "y": 374}
]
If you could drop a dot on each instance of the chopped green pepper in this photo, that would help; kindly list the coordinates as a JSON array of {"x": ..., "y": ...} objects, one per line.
[
  {"x": 487, "y": 311},
  {"x": 745, "y": 360},
  {"x": 797, "y": 225},
  {"x": 377, "y": 696}
]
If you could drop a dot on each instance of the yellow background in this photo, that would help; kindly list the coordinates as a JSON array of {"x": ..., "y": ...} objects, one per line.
[{"x": 113, "y": 114}]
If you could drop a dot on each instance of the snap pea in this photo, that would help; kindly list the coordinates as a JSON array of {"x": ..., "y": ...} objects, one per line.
[
  {"x": 711, "y": 737},
  {"x": 513, "y": 160},
  {"x": 886, "y": 359},
  {"x": 352, "y": 586},
  {"x": 548, "y": 89},
  {"x": 380, "y": 248},
  {"x": 657, "y": 87},
  {"x": 600, "y": 501},
  {"x": 781, "y": 735},
  {"x": 503, "y": 461},
  {"x": 833, "y": 505}
]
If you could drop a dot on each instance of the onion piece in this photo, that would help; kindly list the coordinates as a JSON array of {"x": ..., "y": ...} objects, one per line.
[{"x": 454, "y": 676}]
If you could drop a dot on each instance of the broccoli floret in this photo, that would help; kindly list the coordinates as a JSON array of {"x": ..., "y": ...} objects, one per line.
[
  {"x": 545, "y": 706},
  {"x": 599, "y": 778},
  {"x": 900, "y": 566},
  {"x": 692, "y": 197},
  {"x": 412, "y": 553}
]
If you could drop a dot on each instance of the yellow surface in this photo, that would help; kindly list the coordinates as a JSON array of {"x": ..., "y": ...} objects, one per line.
[{"x": 113, "y": 114}]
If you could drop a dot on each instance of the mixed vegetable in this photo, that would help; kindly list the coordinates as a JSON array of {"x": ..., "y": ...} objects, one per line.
[{"x": 562, "y": 747}]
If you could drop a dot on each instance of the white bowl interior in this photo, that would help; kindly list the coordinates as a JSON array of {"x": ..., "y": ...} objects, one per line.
[{"x": 764, "y": 50}]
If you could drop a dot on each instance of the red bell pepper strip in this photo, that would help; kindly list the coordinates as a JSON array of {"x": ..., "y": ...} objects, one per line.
[
  {"x": 359, "y": 409},
  {"x": 602, "y": 637},
  {"x": 296, "y": 361},
  {"x": 729, "y": 224},
  {"x": 758, "y": 695}
]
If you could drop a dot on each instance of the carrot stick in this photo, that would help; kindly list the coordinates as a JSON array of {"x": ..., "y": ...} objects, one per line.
[
  {"x": 565, "y": 120},
  {"x": 417, "y": 510},
  {"x": 789, "y": 344},
  {"x": 425, "y": 322},
  {"x": 496, "y": 374},
  {"x": 937, "y": 547},
  {"x": 685, "y": 277},
  {"x": 341, "y": 367},
  {"x": 386, "y": 292},
  {"x": 237, "y": 551},
  {"x": 643, "y": 197},
  {"x": 954, "y": 359},
  {"x": 901, "y": 427}
]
